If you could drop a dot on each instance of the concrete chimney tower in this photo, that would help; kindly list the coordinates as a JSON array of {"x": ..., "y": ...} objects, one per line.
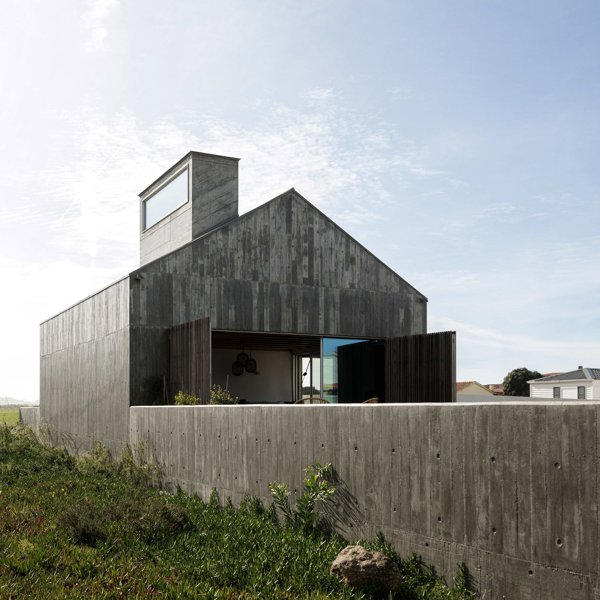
[{"x": 197, "y": 194}]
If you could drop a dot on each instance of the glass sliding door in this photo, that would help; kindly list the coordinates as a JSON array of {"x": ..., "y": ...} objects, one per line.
[
  {"x": 310, "y": 386},
  {"x": 352, "y": 370}
]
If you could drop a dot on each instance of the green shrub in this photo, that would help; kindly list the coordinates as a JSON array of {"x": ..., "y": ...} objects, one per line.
[
  {"x": 316, "y": 490},
  {"x": 184, "y": 399},
  {"x": 218, "y": 395},
  {"x": 148, "y": 519},
  {"x": 83, "y": 523}
]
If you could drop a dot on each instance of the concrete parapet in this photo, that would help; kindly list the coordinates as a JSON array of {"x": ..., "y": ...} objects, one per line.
[{"x": 510, "y": 488}]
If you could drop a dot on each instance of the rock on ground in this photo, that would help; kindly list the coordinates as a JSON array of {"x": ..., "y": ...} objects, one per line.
[{"x": 361, "y": 568}]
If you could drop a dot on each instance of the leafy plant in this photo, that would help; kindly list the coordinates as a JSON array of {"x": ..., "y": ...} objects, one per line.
[
  {"x": 184, "y": 399},
  {"x": 316, "y": 489},
  {"x": 218, "y": 395},
  {"x": 515, "y": 383}
]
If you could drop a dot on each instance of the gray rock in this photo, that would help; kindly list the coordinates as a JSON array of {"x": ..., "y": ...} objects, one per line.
[{"x": 361, "y": 568}]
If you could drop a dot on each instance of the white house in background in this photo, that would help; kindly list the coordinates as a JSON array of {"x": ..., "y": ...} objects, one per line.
[{"x": 582, "y": 384}]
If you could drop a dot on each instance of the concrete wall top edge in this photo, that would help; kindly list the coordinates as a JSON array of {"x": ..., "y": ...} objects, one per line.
[
  {"x": 216, "y": 158},
  {"x": 126, "y": 277},
  {"x": 383, "y": 405}
]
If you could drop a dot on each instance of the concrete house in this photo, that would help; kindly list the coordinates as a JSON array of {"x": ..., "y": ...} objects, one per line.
[
  {"x": 282, "y": 290},
  {"x": 581, "y": 384}
]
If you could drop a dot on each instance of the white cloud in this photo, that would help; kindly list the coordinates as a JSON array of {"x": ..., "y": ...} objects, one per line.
[{"x": 96, "y": 18}]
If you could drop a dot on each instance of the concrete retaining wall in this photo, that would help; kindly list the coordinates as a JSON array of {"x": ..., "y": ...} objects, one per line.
[{"x": 511, "y": 489}]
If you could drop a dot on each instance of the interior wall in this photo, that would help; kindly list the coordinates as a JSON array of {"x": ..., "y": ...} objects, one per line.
[{"x": 272, "y": 385}]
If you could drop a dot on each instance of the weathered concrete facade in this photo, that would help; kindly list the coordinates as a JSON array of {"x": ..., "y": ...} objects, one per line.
[
  {"x": 511, "y": 489},
  {"x": 84, "y": 370},
  {"x": 284, "y": 267}
]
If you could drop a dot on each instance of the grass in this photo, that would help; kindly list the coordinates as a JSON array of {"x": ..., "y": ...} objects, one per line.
[
  {"x": 9, "y": 416},
  {"x": 89, "y": 528}
]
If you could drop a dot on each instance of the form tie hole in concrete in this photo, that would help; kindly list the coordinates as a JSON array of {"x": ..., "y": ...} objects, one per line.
[
  {"x": 557, "y": 465},
  {"x": 427, "y": 544},
  {"x": 439, "y": 519},
  {"x": 530, "y": 573},
  {"x": 438, "y": 456},
  {"x": 494, "y": 530},
  {"x": 394, "y": 509},
  {"x": 493, "y": 459},
  {"x": 356, "y": 447},
  {"x": 322, "y": 445},
  {"x": 559, "y": 542},
  {"x": 393, "y": 450},
  {"x": 269, "y": 440}
]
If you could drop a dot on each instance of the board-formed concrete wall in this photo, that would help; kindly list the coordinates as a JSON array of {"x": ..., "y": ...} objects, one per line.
[
  {"x": 30, "y": 417},
  {"x": 84, "y": 371},
  {"x": 511, "y": 489},
  {"x": 282, "y": 268}
]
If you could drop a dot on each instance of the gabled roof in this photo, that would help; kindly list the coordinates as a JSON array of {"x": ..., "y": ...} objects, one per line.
[
  {"x": 581, "y": 373},
  {"x": 293, "y": 195}
]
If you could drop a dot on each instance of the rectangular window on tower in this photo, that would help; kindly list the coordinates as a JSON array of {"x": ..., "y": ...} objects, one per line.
[{"x": 166, "y": 200}]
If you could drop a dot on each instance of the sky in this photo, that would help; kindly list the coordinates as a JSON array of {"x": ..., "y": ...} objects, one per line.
[{"x": 458, "y": 141}]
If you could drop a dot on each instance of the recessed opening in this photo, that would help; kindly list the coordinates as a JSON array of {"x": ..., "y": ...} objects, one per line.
[{"x": 171, "y": 196}]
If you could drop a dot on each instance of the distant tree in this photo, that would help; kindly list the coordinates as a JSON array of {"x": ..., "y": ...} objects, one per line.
[{"x": 515, "y": 383}]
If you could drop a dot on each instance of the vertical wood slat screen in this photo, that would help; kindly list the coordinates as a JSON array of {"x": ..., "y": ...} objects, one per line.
[
  {"x": 190, "y": 359},
  {"x": 421, "y": 368}
]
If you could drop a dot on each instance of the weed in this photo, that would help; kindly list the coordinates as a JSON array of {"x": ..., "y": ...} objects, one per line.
[
  {"x": 316, "y": 489},
  {"x": 83, "y": 524}
]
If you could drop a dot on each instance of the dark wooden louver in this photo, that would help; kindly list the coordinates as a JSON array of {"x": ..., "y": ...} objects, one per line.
[
  {"x": 190, "y": 359},
  {"x": 421, "y": 368}
]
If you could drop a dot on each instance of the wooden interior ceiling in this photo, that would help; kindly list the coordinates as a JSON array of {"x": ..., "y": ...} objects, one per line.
[{"x": 248, "y": 340}]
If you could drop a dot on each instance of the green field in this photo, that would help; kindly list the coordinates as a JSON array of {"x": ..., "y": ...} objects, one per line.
[
  {"x": 10, "y": 416},
  {"x": 90, "y": 528}
]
